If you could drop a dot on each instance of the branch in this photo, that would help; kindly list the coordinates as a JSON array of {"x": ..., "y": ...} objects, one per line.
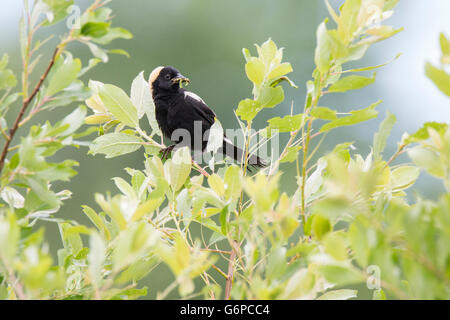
[
  {"x": 25, "y": 105},
  {"x": 230, "y": 275}
]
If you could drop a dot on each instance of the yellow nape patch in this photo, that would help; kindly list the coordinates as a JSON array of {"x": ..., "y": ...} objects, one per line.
[{"x": 154, "y": 75}]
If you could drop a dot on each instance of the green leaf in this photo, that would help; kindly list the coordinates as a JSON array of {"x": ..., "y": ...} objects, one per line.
[
  {"x": 95, "y": 29},
  {"x": 276, "y": 263},
  {"x": 379, "y": 33},
  {"x": 142, "y": 98},
  {"x": 355, "y": 117},
  {"x": 288, "y": 123},
  {"x": 423, "y": 133},
  {"x": 342, "y": 294},
  {"x": 348, "y": 21},
  {"x": 9, "y": 237},
  {"x": 282, "y": 79},
  {"x": 97, "y": 221},
  {"x": 380, "y": 138},
  {"x": 63, "y": 73},
  {"x": 146, "y": 208},
  {"x": 322, "y": 54},
  {"x": 379, "y": 294},
  {"x": 362, "y": 241},
  {"x": 97, "y": 119},
  {"x": 98, "y": 52},
  {"x": 4, "y": 61},
  {"x": 97, "y": 257},
  {"x": 112, "y": 209},
  {"x": 119, "y": 52},
  {"x": 354, "y": 53},
  {"x": 248, "y": 109},
  {"x": 341, "y": 275},
  {"x": 91, "y": 64},
  {"x": 445, "y": 48},
  {"x": 179, "y": 167},
  {"x": 113, "y": 33},
  {"x": 125, "y": 188},
  {"x": 291, "y": 154},
  {"x": 76, "y": 91},
  {"x": 217, "y": 184},
  {"x": 320, "y": 226},
  {"x": 215, "y": 138},
  {"x": 119, "y": 104},
  {"x": 440, "y": 78},
  {"x": 115, "y": 144},
  {"x": 389, "y": 4},
  {"x": 374, "y": 67},
  {"x": 269, "y": 97},
  {"x": 137, "y": 270},
  {"x": 280, "y": 71},
  {"x": 246, "y": 54},
  {"x": 352, "y": 82},
  {"x": 57, "y": 10},
  {"x": 12, "y": 197},
  {"x": 7, "y": 77},
  {"x": 335, "y": 246},
  {"x": 41, "y": 189},
  {"x": 428, "y": 160},
  {"x": 324, "y": 113},
  {"x": 267, "y": 51},
  {"x": 331, "y": 11},
  {"x": 404, "y": 176},
  {"x": 233, "y": 183},
  {"x": 255, "y": 70},
  {"x": 74, "y": 120}
]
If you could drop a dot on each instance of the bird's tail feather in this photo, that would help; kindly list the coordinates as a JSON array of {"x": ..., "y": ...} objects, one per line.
[{"x": 237, "y": 154}]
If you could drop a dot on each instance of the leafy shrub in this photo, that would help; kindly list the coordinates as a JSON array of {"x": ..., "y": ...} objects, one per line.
[{"x": 348, "y": 221}]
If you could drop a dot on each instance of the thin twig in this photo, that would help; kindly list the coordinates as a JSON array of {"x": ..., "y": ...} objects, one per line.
[
  {"x": 304, "y": 167},
  {"x": 223, "y": 274},
  {"x": 395, "y": 155},
  {"x": 230, "y": 275}
]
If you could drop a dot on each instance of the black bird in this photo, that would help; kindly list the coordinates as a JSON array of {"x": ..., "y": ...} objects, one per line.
[{"x": 177, "y": 108}]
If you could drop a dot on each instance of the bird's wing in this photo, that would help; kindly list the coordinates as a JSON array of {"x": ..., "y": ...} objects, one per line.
[{"x": 200, "y": 107}]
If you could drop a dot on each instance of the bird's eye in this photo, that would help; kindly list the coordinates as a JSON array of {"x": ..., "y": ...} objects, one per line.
[{"x": 167, "y": 76}]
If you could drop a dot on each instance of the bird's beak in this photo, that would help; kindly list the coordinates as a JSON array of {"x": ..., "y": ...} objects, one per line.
[{"x": 181, "y": 80}]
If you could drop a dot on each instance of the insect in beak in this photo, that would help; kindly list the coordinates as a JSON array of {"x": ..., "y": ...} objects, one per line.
[{"x": 181, "y": 80}]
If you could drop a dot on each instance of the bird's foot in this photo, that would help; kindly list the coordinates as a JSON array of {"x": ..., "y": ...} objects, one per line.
[{"x": 166, "y": 151}]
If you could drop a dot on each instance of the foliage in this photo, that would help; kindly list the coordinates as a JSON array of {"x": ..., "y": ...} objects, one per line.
[
  {"x": 439, "y": 76},
  {"x": 349, "y": 220}
]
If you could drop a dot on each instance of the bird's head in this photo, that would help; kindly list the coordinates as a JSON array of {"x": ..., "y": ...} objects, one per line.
[{"x": 166, "y": 79}]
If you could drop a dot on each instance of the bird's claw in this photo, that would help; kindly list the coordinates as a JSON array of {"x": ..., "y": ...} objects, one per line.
[{"x": 166, "y": 151}]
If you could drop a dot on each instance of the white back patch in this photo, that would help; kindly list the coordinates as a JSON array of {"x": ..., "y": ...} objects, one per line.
[{"x": 194, "y": 96}]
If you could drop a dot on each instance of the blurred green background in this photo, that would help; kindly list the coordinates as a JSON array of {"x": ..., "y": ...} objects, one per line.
[{"x": 204, "y": 38}]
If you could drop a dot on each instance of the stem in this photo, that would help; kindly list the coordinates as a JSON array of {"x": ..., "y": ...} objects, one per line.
[
  {"x": 285, "y": 150},
  {"x": 230, "y": 275},
  {"x": 395, "y": 155},
  {"x": 304, "y": 165},
  {"x": 233, "y": 243},
  {"x": 211, "y": 292},
  {"x": 223, "y": 274},
  {"x": 199, "y": 169}
]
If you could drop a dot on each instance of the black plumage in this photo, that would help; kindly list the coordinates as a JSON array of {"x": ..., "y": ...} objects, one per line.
[{"x": 177, "y": 109}]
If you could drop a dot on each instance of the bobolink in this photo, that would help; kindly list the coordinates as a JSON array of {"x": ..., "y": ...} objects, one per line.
[{"x": 184, "y": 117}]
